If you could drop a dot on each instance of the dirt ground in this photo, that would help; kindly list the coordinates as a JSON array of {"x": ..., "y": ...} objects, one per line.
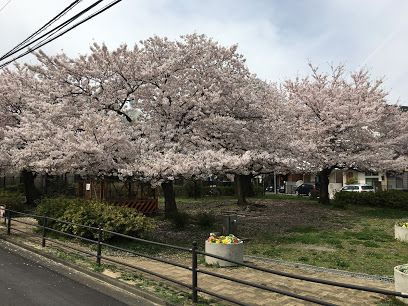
[{"x": 262, "y": 217}]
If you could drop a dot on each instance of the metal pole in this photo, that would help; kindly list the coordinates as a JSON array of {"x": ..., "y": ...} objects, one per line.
[
  {"x": 99, "y": 246},
  {"x": 274, "y": 182},
  {"x": 263, "y": 184},
  {"x": 194, "y": 272},
  {"x": 44, "y": 231},
  {"x": 8, "y": 222}
]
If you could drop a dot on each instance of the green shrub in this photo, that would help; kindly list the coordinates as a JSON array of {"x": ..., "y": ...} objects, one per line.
[
  {"x": 388, "y": 199},
  {"x": 13, "y": 200},
  {"x": 351, "y": 180},
  {"x": 55, "y": 207},
  {"x": 93, "y": 213}
]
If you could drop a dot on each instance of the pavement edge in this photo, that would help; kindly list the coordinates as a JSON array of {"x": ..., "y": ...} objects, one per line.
[{"x": 127, "y": 294}]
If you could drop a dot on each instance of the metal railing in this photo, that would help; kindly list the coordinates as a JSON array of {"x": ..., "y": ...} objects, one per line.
[{"x": 194, "y": 286}]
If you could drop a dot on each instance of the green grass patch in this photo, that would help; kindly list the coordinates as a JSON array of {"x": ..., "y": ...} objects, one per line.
[{"x": 363, "y": 242}]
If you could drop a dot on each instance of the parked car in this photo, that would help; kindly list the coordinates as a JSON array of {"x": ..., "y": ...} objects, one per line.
[
  {"x": 269, "y": 189},
  {"x": 281, "y": 189},
  {"x": 306, "y": 189},
  {"x": 358, "y": 188}
]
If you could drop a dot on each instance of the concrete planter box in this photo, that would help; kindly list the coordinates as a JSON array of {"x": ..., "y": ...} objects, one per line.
[
  {"x": 401, "y": 282},
  {"x": 401, "y": 233},
  {"x": 230, "y": 251}
]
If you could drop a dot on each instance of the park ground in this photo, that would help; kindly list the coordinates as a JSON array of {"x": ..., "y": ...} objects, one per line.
[
  {"x": 278, "y": 227},
  {"x": 296, "y": 229}
]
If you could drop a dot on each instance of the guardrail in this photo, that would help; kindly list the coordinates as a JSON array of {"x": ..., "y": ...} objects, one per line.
[{"x": 194, "y": 286}]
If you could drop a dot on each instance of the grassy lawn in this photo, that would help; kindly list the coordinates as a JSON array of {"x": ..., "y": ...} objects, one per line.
[
  {"x": 358, "y": 239},
  {"x": 364, "y": 243}
]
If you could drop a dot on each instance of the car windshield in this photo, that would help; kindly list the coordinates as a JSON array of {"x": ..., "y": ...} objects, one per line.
[{"x": 367, "y": 187}]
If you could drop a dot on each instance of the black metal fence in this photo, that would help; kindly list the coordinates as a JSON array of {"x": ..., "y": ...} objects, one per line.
[{"x": 194, "y": 285}]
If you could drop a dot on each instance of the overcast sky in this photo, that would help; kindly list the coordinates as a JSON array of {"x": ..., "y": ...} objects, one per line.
[{"x": 278, "y": 38}]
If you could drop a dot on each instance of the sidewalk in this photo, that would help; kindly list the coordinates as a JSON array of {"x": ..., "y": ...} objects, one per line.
[{"x": 254, "y": 296}]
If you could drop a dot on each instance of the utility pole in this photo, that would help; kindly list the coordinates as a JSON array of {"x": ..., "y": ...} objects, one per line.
[{"x": 274, "y": 182}]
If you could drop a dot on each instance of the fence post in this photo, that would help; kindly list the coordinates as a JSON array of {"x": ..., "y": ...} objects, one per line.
[
  {"x": 99, "y": 246},
  {"x": 8, "y": 222},
  {"x": 194, "y": 272},
  {"x": 44, "y": 231}
]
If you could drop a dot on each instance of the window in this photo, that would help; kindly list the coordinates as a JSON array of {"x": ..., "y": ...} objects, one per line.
[
  {"x": 371, "y": 174},
  {"x": 395, "y": 181},
  {"x": 338, "y": 176},
  {"x": 399, "y": 181}
]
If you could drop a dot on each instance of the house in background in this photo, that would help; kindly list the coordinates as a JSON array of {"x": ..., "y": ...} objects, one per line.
[{"x": 339, "y": 177}]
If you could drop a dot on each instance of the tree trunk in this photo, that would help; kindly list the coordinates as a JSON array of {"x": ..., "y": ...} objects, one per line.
[
  {"x": 30, "y": 191},
  {"x": 248, "y": 187},
  {"x": 324, "y": 186},
  {"x": 240, "y": 190},
  {"x": 195, "y": 190},
  {"x": 170, "y": 206}
]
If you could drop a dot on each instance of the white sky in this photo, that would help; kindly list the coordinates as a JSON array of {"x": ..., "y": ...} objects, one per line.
[{"x": 278, "y": 38}]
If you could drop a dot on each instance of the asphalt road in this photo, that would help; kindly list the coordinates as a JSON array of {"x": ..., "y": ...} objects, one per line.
[{"x": 27, "y": 282}]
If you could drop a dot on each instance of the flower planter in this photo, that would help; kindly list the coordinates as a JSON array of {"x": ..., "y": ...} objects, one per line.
[
  {"x": 234, "y": 251},
  {"x": 401, "y": 233},
  {"x": 401, "y": 281}
]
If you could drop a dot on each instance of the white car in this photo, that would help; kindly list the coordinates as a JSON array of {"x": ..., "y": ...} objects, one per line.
[{"x": 358, "y": 188}]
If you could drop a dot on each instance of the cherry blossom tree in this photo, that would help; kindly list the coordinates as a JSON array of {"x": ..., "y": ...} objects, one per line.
[
  {"x": 58, "y": 132},
  {"x": 168, "y": 87},
  {"x": 14, "y": 99},
  {"x": 343, "y": 122},
  {"x": 196, "y": 85},
  {"x": 162, "y": 110},
  {"x": 249, "y": 126}
]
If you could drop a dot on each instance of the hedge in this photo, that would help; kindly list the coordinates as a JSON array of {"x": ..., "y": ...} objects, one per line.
[
  {"x": 390, "y": 199},
  {"x": 93, "y": 213},
  {"x": 13, "y": 200}
]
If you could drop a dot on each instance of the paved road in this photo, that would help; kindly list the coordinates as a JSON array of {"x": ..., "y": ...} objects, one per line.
[{"x": 26, "y": 282}]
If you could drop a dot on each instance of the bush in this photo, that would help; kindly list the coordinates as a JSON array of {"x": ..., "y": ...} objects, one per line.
[
  {"x": 93, "y": 213},
  {"x": 387, "y": 199},
  {"x": 13, "y": 200},
  {"x": 55, "y": 207},
  {"x": 351, "y": 181}
]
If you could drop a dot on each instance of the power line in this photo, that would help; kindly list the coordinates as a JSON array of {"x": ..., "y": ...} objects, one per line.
[
  {"x": 52, "y": 31},
  {"x": 2, "y": 8},
  {"x": 45, "y": 26},
  {"x": 62, "y": 33},
  {"x": 61, "y": 26}
]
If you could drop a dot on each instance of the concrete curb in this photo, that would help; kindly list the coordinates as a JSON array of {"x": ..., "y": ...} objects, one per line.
[{"x": 121, "y": 291}]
